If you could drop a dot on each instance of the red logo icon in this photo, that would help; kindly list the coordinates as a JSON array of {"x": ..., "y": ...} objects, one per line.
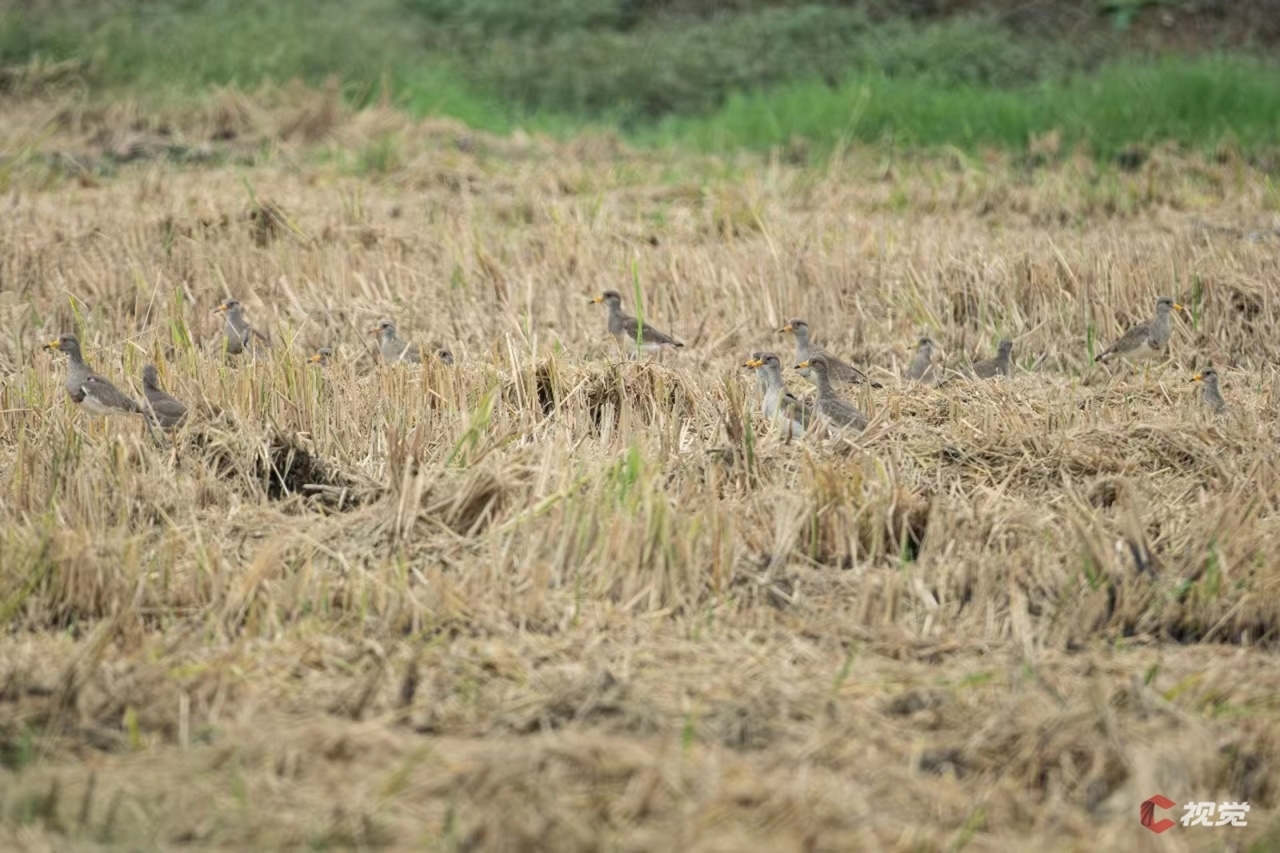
[{"x": 1147, "y": 813}]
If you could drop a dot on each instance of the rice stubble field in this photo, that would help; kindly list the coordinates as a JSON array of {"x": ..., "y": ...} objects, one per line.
[{"x": 549, "y": 598}]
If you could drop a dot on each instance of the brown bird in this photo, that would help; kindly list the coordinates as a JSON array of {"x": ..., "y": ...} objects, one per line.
[
  {"x": 392, "y": 347},
  {"x": 1001, "y": 365},
  {"x": 838, "y": 414},
  {"x": 625, "y": 328},
  {"x": 89, "y": 390},
  {"x": 1147, "y": 340},
  {"x": 839, "y": 371},
  {"x": 778, "y": 404},
  {"x": 163, "y": 409},
  {"x": 922, "y": 368},
  {"x": 1212, "y": 394},
  {"x": 240, "y": 335}
]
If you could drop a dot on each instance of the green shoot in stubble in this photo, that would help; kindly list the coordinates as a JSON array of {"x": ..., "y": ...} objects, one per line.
[
  {"x": 845, "y": 668},
  {"x": 1150, "y": 674},
  {"x": 635, "y": 289},
  {"x": 179, "y": 334},
  {"x": 478, "y": 424}
]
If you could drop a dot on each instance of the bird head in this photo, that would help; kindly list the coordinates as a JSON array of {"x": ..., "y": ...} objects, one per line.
[{"x": 67, "y": 343}]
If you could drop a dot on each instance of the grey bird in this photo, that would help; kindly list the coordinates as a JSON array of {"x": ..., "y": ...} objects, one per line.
[
  {"x": 839, "y": 371},
  {"x": 322, "y": 356},
  {"x": 240, "y": 335},
  {"x": 778, "y": 404},
  {"x": 922, "y": 368},
  {"x": 838, "y": 414},
  {"x": 89, "y": 390},
  {"x": 1211, "y": 393},
  {"x": 625, "y": 328},
  {"x": 163, "y": 408},
  {"x": 392, "y": 347},
  {"x": 1001, "y": 365},
  {"x": 1147, "y": 340}
]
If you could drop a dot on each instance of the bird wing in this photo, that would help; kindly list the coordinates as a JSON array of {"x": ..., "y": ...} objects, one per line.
[
  {"x": 648, "y": 334},
  {"x": 843, "y": 371},
  {"x": 919, "y": 365},
  {"x": 844, "y": 414},
  {"x": 1130, "y": 340},
  {"x": 986, "y": 368},
  {"x": 796, "y": 409},
  {"x": 107, "y": 395},
  {"x": 166, "y": 407}
]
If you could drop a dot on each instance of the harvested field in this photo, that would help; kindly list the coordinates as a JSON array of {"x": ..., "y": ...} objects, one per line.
[{"x": 550, "y": 599}]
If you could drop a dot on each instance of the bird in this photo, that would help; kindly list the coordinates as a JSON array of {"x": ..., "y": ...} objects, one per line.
[
  {"x": 89, "y": 390},
  {"x": 1212, "y": 394},
  {"x": 1147, "y": 340},
  {"x": 921, "y": 368},
  {"x": 837, "y": 370},
  {"x": 445, "y": 356},
  {"x": 162, "y": 408},
  {"x": 836, "y": 412},
  {"x": 626, "y": 328},
  {"x": 778, "y": 404},
  {"x": 240, "y": 334},
  {"x": 322, "y": 356},
  {"x": 392, "y": 347},
  {"x": 1001, "y": 365}
]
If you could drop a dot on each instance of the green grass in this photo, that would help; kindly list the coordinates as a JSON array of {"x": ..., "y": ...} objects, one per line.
[
  {"x": 1199, "y": 103},
  {"x": 754, "y": 78}
]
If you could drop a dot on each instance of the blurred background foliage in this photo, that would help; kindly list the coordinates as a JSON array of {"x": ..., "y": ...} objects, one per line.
[{"x": 750, "y": 73}]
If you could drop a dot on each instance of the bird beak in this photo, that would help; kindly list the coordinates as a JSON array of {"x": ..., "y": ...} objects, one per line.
[
  {"x": 52, "y": 345},
  {"x": 786, "y": 328},
  {"x": 221, "y": 309},
  {"x": 373, "y": 331},
  {"x": 1199, "y": 377},
  {"x": 315, "y": 359},
  {"x": 595, "y": 299},
  {"x": 802, "y": 365},
  {"x": 752, "y": 362},
  {"x": 1178, "y": 308}
]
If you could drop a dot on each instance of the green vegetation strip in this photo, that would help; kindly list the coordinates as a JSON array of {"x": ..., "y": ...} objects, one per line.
[{"x": 764, "y": 75}]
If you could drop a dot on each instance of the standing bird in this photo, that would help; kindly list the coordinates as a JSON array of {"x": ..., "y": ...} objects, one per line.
[
  {"x": 838, "y": 414},
  {"x": 839, "y": 371},
  {"x": 1212, "y": 394},
  {"x": 1147, "y": 340},
  {"x": 921, "y": 368},
  {"x": 322, "y": 356},
  {"x": 162, "y": 408},
  {"x": 392, "y": 347},
  {"x": 89, "y": 390},
  {"x": 239, "y": 333},
  {"x": 778, "y": 404},
  {"x": 625, "y": 328},
  {"x": 1001, "y": 365}
]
